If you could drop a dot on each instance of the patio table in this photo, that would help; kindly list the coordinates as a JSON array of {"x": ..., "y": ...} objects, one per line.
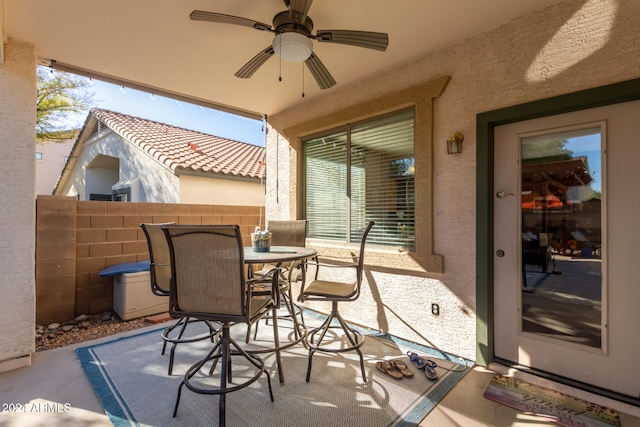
[{"x": 276, "y": 256}]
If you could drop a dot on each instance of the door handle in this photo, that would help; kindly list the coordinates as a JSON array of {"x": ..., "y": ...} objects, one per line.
[{"x": 502, "y": 194}]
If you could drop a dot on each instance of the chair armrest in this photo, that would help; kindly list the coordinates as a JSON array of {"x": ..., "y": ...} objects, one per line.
[
  {"x": 318, "y": 263},
  {"x": 325, "y": 264},
  {"x": 270, "y": 278},
  {"x": 336, "y": 257},
  {"x": 324, "y": 260}
]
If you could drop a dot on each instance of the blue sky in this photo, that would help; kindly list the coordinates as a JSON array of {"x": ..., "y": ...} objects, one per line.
[
  {"x": 590, "y": 146},
  {"x": 170, "y": 111}
]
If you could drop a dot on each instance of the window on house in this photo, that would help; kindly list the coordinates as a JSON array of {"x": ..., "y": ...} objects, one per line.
[
  {"x": 359, "y": 173},
  {"x": 122, "y": 194},
  {"x": 38, "y": 156}
]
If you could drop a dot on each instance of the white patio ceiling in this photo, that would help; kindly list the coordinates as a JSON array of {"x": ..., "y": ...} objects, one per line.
[{"x": 154, "y": 43}]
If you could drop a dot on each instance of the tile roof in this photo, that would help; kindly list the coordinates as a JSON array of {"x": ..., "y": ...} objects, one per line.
[{"x": 188, "y": 149}]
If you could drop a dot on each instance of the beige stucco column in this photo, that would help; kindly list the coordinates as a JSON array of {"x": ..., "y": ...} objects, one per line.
[{"x": 17, "y": 212}]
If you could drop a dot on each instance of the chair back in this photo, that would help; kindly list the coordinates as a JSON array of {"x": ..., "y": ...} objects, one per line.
[
  {"x": 360, "y": 267},
  {"x": 160, "y": 268},
  {"x": 207, "y": 268},
  {"x": 288, "y": 233}
]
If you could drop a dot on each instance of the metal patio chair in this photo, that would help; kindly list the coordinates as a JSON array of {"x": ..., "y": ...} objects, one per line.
[
  {"x": 335, "y": 292},
  {"x": 160, "y": 274},
  {"x": 286, "y": 233},
  {"x": 208, "y": 283}
]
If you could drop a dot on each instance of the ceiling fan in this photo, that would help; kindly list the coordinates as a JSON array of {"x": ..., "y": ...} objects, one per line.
[{"x": 292, "y": 41}]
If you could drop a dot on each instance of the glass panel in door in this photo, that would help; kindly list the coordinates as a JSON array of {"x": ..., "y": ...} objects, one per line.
[{"x": 561, "y": 209}]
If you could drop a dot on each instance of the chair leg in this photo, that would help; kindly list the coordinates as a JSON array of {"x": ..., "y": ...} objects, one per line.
[
  {"x": 356, "y": 339},
  {"x": 185, "y": 322},
  {"x": 192, "y": 371},
  {"x": 354, "y": 343},
  {"x": 276, "y": 339},
  {"x": 182, "y": 325},
  {"x": 225, "y": 369},
  {"x": 248, "y": 337},
  {"x": 312, "y": 348},
  {"x": 299, "y": 328},
  {"x": 293, "y": 307},
  {"x": 223, "y": 350},
  {"x": 255, "y": 361},
  {"x": 255, "y": 331}
]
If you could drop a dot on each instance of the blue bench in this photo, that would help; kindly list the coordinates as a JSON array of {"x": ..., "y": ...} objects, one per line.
[{"x": 125, "y": 267}]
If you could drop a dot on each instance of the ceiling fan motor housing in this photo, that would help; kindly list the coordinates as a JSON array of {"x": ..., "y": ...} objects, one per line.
[{"x": 292, "y": 42}]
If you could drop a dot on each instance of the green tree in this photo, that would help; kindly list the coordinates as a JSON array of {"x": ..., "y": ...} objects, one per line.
[
  {"x": 545, "y": 151},
  {"x": 60, "y": 97}
]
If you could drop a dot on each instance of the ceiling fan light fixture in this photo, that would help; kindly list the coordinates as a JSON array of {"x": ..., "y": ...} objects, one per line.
[{"x": 292, "y": 47}]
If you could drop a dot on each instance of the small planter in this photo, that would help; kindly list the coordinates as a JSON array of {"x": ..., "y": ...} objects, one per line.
[{"x": 261, "y": 242}]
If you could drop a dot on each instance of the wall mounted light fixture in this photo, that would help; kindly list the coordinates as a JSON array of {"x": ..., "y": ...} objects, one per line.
[{"x": 454, "y": 143}]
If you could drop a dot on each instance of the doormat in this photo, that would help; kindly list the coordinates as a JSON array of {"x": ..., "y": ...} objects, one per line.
[{"x": 549, "y": 404}]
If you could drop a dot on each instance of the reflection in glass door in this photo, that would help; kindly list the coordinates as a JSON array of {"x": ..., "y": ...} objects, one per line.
[{"x": 561, "y": 212}]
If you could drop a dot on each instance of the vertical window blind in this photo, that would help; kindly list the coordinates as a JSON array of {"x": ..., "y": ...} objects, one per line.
[{"x": 360, "y": 173}]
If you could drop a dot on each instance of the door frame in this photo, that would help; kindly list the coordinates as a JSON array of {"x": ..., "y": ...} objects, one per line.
[{"x": 485, "y": 124}]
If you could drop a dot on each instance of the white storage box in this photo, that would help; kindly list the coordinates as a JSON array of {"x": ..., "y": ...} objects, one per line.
[{"x": 132, "y": 296}]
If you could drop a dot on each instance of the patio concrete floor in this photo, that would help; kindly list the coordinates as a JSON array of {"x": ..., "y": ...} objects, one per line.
[{"x": 56, "y": 376}]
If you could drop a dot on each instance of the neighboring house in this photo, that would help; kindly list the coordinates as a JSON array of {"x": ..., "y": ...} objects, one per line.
[
  {"x": 127, "y": 158},
  {"x": 50, "y": 159}
]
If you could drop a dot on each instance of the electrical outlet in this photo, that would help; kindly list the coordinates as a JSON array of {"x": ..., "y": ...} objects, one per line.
[{"x": 435, "y": 309}]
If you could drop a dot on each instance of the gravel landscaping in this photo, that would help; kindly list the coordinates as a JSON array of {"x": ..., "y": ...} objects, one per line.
[{"x": 83, "y": 328}]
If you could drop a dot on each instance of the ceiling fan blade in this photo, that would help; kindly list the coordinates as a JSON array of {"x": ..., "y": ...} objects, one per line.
[
  {"x": 201, "y": 15},
  {"x": 366, "y": 39},
  {"x": 256, "y": 62},
  {"x": 320, "y": 72},
  {"x": 298, "y": 10}
]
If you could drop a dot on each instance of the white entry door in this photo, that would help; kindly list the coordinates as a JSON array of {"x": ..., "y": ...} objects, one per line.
[{"x": 567, "y": 245}]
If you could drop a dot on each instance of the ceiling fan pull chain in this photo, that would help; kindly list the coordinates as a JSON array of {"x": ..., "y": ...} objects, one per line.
[
  {"x": 303, "y": 79},
  {"x": 279, "y": 62}
]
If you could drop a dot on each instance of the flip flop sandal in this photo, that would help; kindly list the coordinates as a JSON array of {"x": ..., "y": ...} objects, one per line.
[
  {"x": 419, "y": 361},
  {"x": 388, "y": 369},
  {"x": 402, "y": 367},
  {"x": 430, "y": 370}
]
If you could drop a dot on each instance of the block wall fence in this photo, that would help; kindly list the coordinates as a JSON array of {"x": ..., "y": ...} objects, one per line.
[{"x": 75, "y": 240}]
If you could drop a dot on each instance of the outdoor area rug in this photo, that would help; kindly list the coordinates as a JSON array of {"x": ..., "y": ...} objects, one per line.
[
  {"x": 552, "y": 405},
  {"x": 129, "y": 375}
]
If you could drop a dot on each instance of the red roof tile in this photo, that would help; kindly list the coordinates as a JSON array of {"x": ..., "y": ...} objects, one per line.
[{"x": 183, "y": 148}]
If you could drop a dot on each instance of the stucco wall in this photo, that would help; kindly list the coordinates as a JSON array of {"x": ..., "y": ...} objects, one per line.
[
  {"x": 227, "y": 191},
  {"x": 17, "y": 219},
  {"x": 48, "y": 169},
  {"x": 575, "y": 45}
]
